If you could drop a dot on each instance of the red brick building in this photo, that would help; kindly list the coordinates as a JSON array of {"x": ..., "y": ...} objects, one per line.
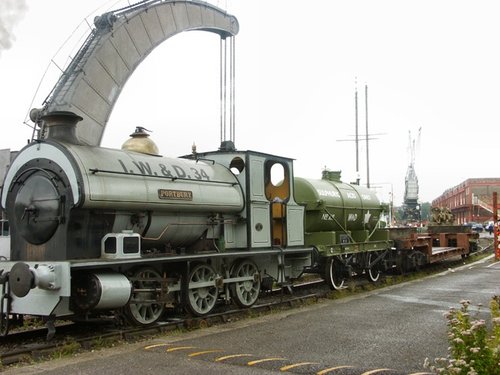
[{"x": 471, "y": 200}]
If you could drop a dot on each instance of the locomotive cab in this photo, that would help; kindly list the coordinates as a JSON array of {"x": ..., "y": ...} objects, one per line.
[{"x": 271, "y": 217}]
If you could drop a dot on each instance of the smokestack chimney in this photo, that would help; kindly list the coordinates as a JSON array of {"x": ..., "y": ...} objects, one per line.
[{"x": 61, "y": 126}]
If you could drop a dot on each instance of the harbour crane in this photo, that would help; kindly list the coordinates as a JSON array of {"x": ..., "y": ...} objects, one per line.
[{"x": 411, "y": 207}]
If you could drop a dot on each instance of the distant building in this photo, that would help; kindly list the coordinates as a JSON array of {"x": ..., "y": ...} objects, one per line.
[
  {"x": 472, "y": 200},
  {"x": 6, "y": 157}
]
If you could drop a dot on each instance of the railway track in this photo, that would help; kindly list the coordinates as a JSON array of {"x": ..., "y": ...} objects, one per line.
[{"x": 31, "y": 344}]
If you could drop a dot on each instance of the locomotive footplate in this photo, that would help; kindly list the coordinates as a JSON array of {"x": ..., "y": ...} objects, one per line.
[{"x": 100, "y": 263}]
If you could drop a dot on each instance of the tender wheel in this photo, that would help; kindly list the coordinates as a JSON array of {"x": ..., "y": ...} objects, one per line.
[
  {"x": 333, "y": 274},
  {"x": 245, "y": 292},
  {"x": 372, "y": 273},
  {"x": 144, "y": 308},
  {"x": 203, "y": 292}
]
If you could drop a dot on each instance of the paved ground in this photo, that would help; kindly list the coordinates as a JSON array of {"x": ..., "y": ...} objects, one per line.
[{"x": 393, "y": 328}]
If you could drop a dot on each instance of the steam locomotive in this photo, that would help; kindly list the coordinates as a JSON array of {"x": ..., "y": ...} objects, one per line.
[{"x": 96, "y": 229}]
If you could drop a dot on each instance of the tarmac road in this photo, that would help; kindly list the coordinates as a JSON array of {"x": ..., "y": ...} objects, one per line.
[{"x": 387, "y": 331}]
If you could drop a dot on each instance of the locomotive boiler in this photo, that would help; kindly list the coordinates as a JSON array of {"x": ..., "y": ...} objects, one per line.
[{"x": 63, "y": 198}]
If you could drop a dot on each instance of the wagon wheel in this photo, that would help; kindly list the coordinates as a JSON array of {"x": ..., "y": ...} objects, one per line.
[
  {"x": 333, "y": 274},
  {"x": 245, "y": 292},
  {"x": 410, "y": 262},
  {"x": 144, "y": 307},
  {"x": 418, "y": 260},
  {"x": 203, "y": 292},
  {"x": 372, "y": 272}
]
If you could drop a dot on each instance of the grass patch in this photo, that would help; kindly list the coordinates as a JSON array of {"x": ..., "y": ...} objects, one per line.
[{"x": 65, "y": 350}]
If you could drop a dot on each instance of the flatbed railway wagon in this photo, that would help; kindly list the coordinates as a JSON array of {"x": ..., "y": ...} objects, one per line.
[{"x": 414, "y": 248}]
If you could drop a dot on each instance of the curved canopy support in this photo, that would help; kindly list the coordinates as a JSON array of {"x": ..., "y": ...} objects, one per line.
[{"x": 120, "y": 41}]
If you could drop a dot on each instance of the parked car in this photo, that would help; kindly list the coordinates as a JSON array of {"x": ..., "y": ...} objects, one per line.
[{"x": 475, "y": 226}]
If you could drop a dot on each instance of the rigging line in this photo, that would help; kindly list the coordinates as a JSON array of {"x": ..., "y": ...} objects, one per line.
[
  {"x": 77, "y": 45},
  {"x": 57, "y": 66},
  {"x": 112, "y": 6},
  {"x": 220, "y": 88},
  {"x": 225, "y": 86},
  {"x": 52, "y": 60},
  {"x": 84, "y": 21},
  {"x": 47, "y": 69},
  {"x": 83, "y": 36},
  {"x": 35, "y": 94},
  {"x": 233, "y": 64},
  {"x": 230, "y": 89},
  {"x": 70, "y": 36}
]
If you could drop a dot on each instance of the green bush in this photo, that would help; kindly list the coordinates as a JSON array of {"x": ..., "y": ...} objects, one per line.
[{"x": 474, "y": 347}]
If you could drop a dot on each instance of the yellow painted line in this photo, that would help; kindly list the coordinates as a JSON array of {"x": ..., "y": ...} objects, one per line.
[
  {"x": 232, "y": 356},
  {"x": 289, "y": 367},
  {"x": 251, "y": 363},
  {"x": 180, "y": 348},
  {"x": 327, "y": 370},
  {"x": 377, "y": 370},
  {"x": 204, "y": 352},
  {"x": 155, "y": 346}
]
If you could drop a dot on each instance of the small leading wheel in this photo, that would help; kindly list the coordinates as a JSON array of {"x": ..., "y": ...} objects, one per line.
[
  {"x": 372, "y": 272},
  {"x": 245, "y": 292},
  {"x": 203, "y": 292},
  {"x": 143, "y": 307},
  {"x": 333, "y": 274}
]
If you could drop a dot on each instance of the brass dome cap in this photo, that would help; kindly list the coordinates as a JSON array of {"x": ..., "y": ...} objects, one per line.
[{"x": 139, "y": 141}]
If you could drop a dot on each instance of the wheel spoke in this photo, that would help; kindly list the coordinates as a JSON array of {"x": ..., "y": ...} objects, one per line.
[
  {"x": 202, "y": 300},
  {"x": 333, "y": 275},
  {"x": 146, "y": 312},
  {"x": 245, "y": 293},
  {"x": 372, "y": 272}
]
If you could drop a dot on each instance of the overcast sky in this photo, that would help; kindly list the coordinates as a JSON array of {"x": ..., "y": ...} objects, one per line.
[{"x": 431, "y": 64}]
